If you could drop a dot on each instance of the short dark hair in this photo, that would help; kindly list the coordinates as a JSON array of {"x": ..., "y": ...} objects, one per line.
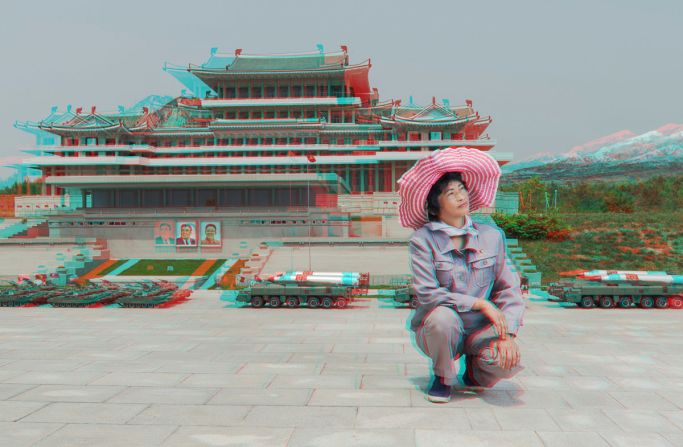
[
  {"x": 185, "y": 226},
  {"x": 210, "y": 226},
  {"x": 436, "y": 190},
  {"x": 162, "y": 225}
]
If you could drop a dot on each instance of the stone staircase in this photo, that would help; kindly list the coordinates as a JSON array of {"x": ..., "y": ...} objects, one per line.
[
  {"x": 519, "y": 261},
  {"x": 75, "y": 262},
  {"x": 516, "y": 258},
  {"x": 15, "y": 227}
]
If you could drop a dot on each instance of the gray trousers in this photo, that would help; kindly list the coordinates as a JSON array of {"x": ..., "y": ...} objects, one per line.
[{"x": 446, "y": 334}]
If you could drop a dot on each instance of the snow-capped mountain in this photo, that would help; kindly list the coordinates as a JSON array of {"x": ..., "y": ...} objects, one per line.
[{"x": 657, "y": 152}]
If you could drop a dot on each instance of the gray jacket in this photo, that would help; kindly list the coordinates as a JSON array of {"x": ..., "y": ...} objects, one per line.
[{"x": 444, "y": 276}]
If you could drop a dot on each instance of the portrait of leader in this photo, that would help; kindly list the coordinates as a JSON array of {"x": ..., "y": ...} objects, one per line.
[
  {"x": 210, "y": 233},
  {"x": 186, "y": 234},
  {"x": 163, "y": 233}
]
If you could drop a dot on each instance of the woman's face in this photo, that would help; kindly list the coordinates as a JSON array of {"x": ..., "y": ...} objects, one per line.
[{"x": 454, "y": 201}]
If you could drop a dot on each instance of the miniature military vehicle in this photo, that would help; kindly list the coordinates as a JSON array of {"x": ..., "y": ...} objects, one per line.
[
  {"x": 313, "y": 289},
  {"x": 609, "y": 289},
  {"x": 155, "y": 294},
  {"x": 26, "y": 293},
  {"x": 88, "y": 298},
  {"x": 293, "y": 295},
  {"x": 406, "y": 295}
]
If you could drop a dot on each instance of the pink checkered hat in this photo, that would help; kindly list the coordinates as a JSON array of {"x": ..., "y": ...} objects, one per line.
[{"x": 479, "y": 171}]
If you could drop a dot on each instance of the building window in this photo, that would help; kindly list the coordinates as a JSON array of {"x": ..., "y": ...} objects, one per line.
[
  {"x": 296, "y": 91},
  {"x": 269, "y": 91},
  {"x": 152, "y": 198},
  {"x": 128, "y": 198},
  {"x": 207, "y": 197},
  {"x": 179, "y": 197},
  {"x": 336, "y": 90}
]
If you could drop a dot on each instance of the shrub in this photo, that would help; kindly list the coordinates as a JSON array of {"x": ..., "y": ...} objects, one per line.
[{"x": 531, "y": 226}]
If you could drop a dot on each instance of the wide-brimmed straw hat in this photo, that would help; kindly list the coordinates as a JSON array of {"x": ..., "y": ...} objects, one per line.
[{"x": 479, "y": 171}]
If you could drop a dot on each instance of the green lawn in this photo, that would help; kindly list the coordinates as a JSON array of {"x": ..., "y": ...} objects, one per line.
[
  {"x": 638, "y": 241},
  {"x": 111, "y": 268}
]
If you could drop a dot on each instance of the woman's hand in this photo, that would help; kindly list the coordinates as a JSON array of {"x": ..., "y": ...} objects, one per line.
[
  {"x": 495, "y": 316},
  {"x": 508, "y": 353}
]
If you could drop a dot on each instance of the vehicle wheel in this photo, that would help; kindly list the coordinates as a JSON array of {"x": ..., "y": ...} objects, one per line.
[
  {"x": 274, "y": 301},
  {"x": 292, "y": 301},
  {"x": 647, "y": 302},
  {"x": 313, "y": 302},
  {"x": 661, "y": 302},
  {"x": 587, "y": 302},
  {"x": 606, "y": 302},
  {"x": 413, "y": 303},
  {"x": 676, "y": 302},
  {"x": 327, "y": 302},
  {"x": 341, "y": 302},
  {"x": 257, "y": 301},
  {"x": 625, "y": 302}
]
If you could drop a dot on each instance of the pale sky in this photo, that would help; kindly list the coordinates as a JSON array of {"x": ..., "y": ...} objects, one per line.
[{"x": 551, "y": 74}]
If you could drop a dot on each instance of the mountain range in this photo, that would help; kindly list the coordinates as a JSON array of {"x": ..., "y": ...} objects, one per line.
[{"x": 617, "y": 156}]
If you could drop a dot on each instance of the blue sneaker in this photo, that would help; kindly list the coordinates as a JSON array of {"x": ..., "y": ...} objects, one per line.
[{"x": 439, "y": 392}]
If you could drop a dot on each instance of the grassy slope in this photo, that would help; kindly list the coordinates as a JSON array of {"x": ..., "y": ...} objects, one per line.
[{"x": 638, "y": 241}]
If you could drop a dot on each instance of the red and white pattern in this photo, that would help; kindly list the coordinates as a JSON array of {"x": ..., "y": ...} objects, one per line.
[{"x": 479, "y": 171}]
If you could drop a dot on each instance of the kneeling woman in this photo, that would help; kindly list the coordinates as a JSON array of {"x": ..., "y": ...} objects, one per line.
[{"x": 469, "y": 301}]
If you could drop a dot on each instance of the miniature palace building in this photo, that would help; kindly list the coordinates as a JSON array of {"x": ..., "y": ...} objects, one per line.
[{"x": 295, "y": 134}]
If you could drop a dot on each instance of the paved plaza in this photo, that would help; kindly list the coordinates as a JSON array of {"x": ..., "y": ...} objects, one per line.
[{"x": 208, "y": 373}]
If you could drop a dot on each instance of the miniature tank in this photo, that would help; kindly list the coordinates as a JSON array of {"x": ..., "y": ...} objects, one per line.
[
  {"x": 24, "y": 299},
  {"x": 607, "y": 289},
  {"x": 20, "y": 295},
  {"x": 406, "y": 295},
  {"x": 145, "y": 301},
  {"x": 293, "y": 295},
  {"x": 89, "y": 298},
  {"x": 156, "y": 295}
]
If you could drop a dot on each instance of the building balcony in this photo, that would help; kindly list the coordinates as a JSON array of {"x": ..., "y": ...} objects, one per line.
[{"x": 281, "y": 102}]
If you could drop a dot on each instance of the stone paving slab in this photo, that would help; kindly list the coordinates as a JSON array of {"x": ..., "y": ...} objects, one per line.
[
  {"x": 107, "y": 435},
  {"x": 68, "y": 393},
  {"x": 83, "y": 413},
  {"x": 208, "y": 373},
  {"x": 24, "y": 434},
  {"x": 190, "y": 436}
]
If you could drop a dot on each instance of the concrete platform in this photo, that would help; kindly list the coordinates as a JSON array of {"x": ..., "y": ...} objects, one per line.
[{"x": 207, "y": 373}]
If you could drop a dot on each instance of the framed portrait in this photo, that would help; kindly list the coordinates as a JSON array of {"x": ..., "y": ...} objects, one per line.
[
  {"x": 210, "y": 234},
  {"x": 164, "y": 234},
  {"x": 186, "y": 234}
]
